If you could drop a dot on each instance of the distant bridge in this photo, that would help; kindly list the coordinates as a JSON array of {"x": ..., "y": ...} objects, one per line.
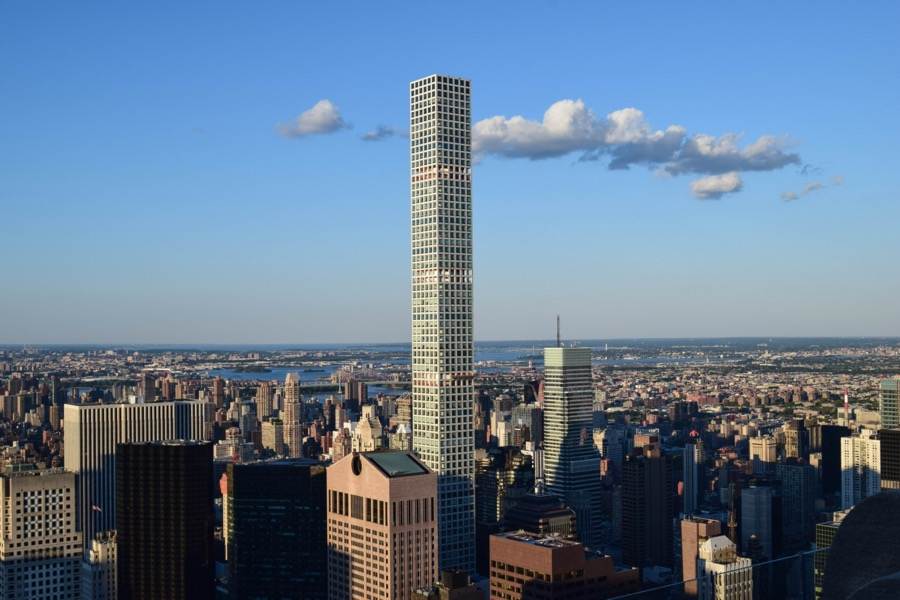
[{"x": 327, "y": 386}]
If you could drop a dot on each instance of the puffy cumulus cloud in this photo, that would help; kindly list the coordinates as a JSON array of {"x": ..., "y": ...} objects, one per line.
[
  {"x": 382, "y": 132},
  {"x": 625, "y": 138},
  {"x": 714, "y": 155},
  {"x": 324, "y": 117},
  {"x": 716, "y": 186},
  {"x": 567, "y": 126},
  {"x": 809, "y": 188}
]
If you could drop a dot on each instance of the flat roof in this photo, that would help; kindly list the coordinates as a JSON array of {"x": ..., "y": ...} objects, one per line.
[{"x": 396, "y": 464}]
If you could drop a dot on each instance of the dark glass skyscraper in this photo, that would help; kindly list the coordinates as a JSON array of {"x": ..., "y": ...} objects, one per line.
[
  {"x": 275, "y": 521},
  {"x": 164, "y": 520},
  {"x": 647, "y": 508}
]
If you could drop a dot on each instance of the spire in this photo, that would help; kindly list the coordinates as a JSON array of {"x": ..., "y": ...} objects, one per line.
[{"x": 558, "y": 342}]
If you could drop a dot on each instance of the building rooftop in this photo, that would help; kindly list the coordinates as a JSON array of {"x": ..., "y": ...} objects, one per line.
[
  {"x": 396, "y": 464},
  {"x": 544, "y": 541}
]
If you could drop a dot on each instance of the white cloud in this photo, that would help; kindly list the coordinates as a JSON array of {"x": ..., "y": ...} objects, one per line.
[
  {"x": 324, "y": 117},
  {"x": 567, "y": 126},
  {"x": 715, "y": 186},
  {"x": 625, "y": 138}
]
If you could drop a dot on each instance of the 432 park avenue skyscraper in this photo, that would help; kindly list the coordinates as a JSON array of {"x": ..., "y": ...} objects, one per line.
[{"x": 442, "y": 338}]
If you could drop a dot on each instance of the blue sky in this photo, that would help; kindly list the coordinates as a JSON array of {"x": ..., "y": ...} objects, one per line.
[{"x": 146, "y": 194}]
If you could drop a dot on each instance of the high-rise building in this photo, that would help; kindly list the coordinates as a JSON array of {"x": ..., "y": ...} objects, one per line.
[
  {"x": 571, "y": 461},
  {"x": 890, "y": 459},
  {"x": 98, "y": 570},
  {"x": 694, "y": 531},
  {"x": 763, "y": 454},
  {"x": 91, "y": 433},
  {"x": 218, "y": 392},
  {"x": 889, "y": 403},
  {"x": 798, "y": 504},
  {"x": 723, "y": 575},
  {"x": 529, "y": 566},
  {"x": 292, "y": 416},
  {"x": 756, "y": 518},
  {"x": 40, "y": 547},
  {"x": 502, "y": 475},
  {"x": 264, "y": 408},
  {"x": 164, "y": 520},
  {"x": 796, "y": 439},
  {"x": 690, "y": 472},
  {"x": 369, "y": 434},
  {"x": 382, "y": 526},
  {"x": 442, "y": 334},
  {"x": 647, "y": 510},
  {"x": 860, "y": 467},
  {"x": 542, "y": 514},
  {"x": 147, "y": 385},
  {"x": 275, "y": 519},
  {"x": 831, "y": 457},
  {"x": 272, "y": 436},
  {"x": 825, "y": 533},
  {"x": 453, "y": 585}
]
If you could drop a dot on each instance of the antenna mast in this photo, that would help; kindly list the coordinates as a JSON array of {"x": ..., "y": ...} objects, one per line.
[{"x": 558, "y": 342}]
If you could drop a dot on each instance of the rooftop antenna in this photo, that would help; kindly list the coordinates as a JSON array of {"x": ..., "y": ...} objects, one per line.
[
  {"x": 558, "y": 342},
  {"x": 847, "y": 407}
]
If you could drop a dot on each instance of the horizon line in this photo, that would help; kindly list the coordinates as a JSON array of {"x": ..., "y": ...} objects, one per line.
[{"x": 486, "y": 341}]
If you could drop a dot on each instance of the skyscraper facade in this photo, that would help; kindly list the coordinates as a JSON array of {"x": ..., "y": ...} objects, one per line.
[
  {"x": 860, "y": 467},
  {"x": 756, "y": 518},
  {"x": 694, "y": 531},
  {"x": 40, "y": 548},
  {"x": 99, "y": 568},
  {"x": 571, "y": 461},
  {"x": 890, "y": 459},
  {"x": 690, "y": 470},
  {"x": 647, "y": 510},
  {"x": 382, "y": 526},
  {"x": 442, "y": 335},
  {"x": 798, "y": 504},
  {"x": 91, "y": 433},
  {"x": 889, "y": 403},
  {"x": 292, "y": 416},
  {"x": 164, "y": 520},
  {"x": 275, "y": 519}
]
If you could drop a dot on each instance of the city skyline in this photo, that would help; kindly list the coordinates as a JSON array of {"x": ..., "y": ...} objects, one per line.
[{"x": 142, "y": 188}]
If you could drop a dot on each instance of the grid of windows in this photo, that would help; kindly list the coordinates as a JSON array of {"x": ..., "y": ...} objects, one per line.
[
  {"x": 442, "y": 337},
  {"x": 40, "y": 548},
  {"x": 571, "y": 461}
]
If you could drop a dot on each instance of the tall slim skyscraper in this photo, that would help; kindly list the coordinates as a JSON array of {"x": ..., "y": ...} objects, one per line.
[
  {"x": 264, "y": 407},
  {"x": 164, "y": 520},
  {"x": 442, "y": 336},
  {"x": 690, "y": 470},
  {"x": 571, "y": 461},
  {"x": 91, "y": 433},
  {"x": 292, "y": 416}
]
